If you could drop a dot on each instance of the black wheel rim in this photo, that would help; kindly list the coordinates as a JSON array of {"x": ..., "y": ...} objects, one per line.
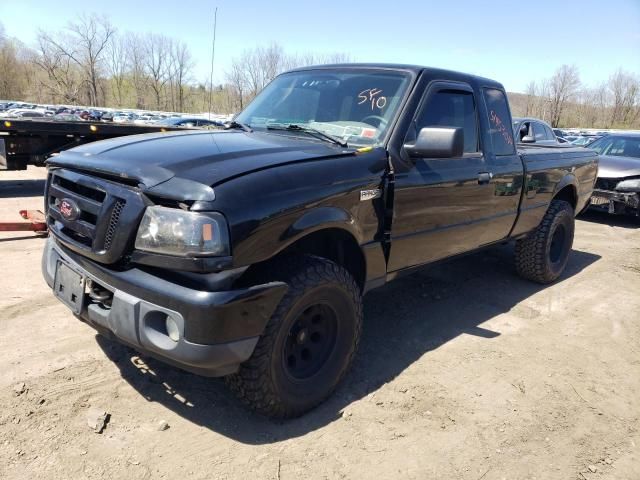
[
  {"x": 310, "y": 341},
  {"x": 557, "y": 244}
]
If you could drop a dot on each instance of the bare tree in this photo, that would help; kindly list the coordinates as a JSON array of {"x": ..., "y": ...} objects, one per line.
[
  {"x": 181, "y": 68},
  {"x": 118, "y": 67},
  {"x": 310, "y": 58},
  {"x": 84, "y": 44},
  {"x": 563, "y": 85},
  {"x": 531, "y": 93},
  {"x": 590, "y": 106},
  {"x": 237, "y": 84},
  {"x": 625, "y": 90},
  {"x": 136, "y": 60},
  {"x": 156, "y": 61},
  {"x": 62, "y": 77},
  {"x": 12, "y": 67},
  {"x": 541, "y": 108},
  {"x": 92, "y": 36},
  {"x": 89, "y": 63},
  {"x": 259, "y": 66},
  {"x": 255, "y": 68}
]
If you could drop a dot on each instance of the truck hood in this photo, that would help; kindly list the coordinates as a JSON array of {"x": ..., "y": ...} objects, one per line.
[
  {"x": 186, "y": 165},
  {"x": 618, "y": 167}
]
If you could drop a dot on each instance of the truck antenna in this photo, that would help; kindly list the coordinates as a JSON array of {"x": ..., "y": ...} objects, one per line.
[{"x": 213, "y": 56}]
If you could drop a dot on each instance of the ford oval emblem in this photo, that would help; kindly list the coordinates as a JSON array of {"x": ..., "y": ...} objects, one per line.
[{"x": 69, "y": 209}]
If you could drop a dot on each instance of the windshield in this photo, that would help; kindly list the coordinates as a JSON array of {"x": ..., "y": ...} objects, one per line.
[
  {"x": 354, "y": 106},
  {"x": 617, "y": 146}
]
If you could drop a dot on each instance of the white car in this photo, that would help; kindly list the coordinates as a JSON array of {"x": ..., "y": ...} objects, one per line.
[
  {"x": 143, "y": 119},
  {"x": 124, "y": 117}
]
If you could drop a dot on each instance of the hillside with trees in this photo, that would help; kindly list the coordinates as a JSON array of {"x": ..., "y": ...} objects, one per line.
[{"x": 90, "y": 63}]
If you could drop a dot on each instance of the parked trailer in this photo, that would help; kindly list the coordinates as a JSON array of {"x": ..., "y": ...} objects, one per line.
[{"x": 31, "y": 142}]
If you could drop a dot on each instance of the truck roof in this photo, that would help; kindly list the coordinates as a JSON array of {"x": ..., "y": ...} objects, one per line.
[{"x": 414, "y": 69}]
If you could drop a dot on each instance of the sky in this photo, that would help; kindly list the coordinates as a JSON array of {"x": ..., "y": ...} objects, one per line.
[{"x": 509, "y": 41}]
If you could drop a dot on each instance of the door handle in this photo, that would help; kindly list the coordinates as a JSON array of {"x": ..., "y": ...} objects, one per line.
[{"x": 484, "y": 178}]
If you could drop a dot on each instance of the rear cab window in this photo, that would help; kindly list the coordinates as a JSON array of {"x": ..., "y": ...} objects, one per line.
[{"x": 500, "y": 130}]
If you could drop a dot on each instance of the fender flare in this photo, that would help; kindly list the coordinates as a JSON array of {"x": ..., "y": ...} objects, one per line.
[
  {"x": 321, "y": 218},
  {"x": 568, "y": 180}
]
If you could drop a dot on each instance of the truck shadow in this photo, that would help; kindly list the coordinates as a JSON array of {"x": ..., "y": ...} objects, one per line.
[
  {"x": 404, "y": 321},
  {"x": 623, "y": 221},
  {"x": 21, "y": 188}
]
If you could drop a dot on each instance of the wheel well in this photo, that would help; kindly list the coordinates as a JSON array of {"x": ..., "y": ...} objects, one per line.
[
  {"x": 336, "y": 245},
  {"x": 568, "y": 194}
]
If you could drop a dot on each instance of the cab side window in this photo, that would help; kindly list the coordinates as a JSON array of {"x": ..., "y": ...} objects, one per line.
[{"x": 451, "y": 108}]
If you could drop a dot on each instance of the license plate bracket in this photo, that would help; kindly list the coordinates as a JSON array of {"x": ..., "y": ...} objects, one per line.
[{"x": 68, "y": 286}]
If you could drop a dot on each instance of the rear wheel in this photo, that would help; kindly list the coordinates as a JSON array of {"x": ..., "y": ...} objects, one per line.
[
  {"x": 542, "y": 256},
  {"x": 308, "y": 344}
]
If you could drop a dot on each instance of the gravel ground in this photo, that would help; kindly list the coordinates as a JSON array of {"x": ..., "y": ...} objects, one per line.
[{"x": 464, "y": 372}]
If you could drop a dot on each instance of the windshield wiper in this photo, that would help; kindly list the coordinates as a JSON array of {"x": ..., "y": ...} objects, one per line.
[
  {"x": 238, "y": 126},
  {"x": 292, "y": 127}
]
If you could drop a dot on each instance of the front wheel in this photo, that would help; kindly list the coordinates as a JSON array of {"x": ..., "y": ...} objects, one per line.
[
  {"x": 308, "y": 344},
  {"x": 542, "y": 256}
]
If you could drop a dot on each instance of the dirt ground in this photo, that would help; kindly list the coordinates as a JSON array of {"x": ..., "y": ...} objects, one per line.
[{"x": 464, "y": 372}]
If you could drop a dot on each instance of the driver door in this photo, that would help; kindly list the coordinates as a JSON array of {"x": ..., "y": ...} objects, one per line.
[{"x": 440, "y": 204}]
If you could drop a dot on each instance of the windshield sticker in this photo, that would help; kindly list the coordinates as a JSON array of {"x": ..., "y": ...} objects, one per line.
[
  {"x": 368, "y": 133},
  {"x": 345, "y": 131},
  {"x": 374, "y": 96},
  {"x": 495, "y": 119}
]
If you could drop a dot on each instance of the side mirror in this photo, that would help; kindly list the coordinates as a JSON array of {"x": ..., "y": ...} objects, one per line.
[
  {"x": 528, "y": 139},
  {"x": 437, "y": 142}
]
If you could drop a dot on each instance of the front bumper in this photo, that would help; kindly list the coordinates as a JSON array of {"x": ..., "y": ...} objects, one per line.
[
  {"x": 616, "y": 202},
  {"x": 218, "y": 330}
]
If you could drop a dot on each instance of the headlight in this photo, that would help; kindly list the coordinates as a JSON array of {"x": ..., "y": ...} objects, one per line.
[
  {"x": 171, "y": 231},
  {"x": 629, "y": 185}
]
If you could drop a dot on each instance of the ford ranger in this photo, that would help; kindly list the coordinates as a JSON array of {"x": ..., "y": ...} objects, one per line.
[{"x": 246, "y": 253}]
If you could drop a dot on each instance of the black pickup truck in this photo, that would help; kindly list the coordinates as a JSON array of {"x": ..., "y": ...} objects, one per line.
[{"x": 245, "y": 253}]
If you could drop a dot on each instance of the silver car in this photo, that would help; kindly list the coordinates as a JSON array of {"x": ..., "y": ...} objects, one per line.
[{"x": 617, "y": 188}]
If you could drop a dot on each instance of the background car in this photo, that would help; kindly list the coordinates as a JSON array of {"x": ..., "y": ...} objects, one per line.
[
  {"x": 68, "y": 117},
  {"x": 123, "y": 117},
  {"x": 143, "y": 119},
  {"x": 30, "y": 114},
  {"x": 533, "y": 130},
  {"x": 190, "y": 122},
  {"x": 95, "y": 115},
  {"x": 617, "y": 188},
  {"x": 584, "y": 140}
]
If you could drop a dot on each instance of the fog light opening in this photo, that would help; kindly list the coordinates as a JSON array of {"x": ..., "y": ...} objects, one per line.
[{"x": 172, "y": 329}]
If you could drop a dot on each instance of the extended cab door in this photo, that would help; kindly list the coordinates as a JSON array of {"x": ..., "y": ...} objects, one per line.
[{"x": 448, "y": 206}]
